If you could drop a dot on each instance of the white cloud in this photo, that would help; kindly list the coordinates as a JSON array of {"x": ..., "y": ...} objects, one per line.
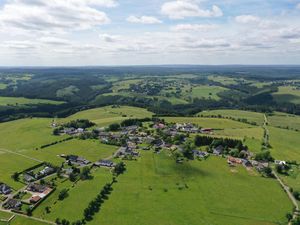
[
  {"x": 258, "y": 22},
  {"x": 182, "y": 8},
  {"x": 246, "y": 19},
  {"x": 54, "y": 15},
  {"x": 143, "y": 20},
  {"x": 109, "y": 38},
  {"x": 193, "y": 27},
  {"x": 298, "y": 6}
]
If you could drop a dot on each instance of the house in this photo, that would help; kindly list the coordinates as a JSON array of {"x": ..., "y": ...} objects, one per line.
[
  {"x": 279, "y": 162},
  {"x": 234, "y": 160},
  {"x": 105, "y": 163},
  {"x": 28, "y": 178},
  {"x": 259, "y": 166},
  {"x": 44, "y": 172},
  {"x": 78, "y": 160},
  {"x": 206, "y": 130},
  {"x": 13, "y": 204},
  {"x": 159, "y": 126},
  {"x": 36, "y": 188},
  {"x": 35, "y": 199},
  {"x": 200, "y": 154},
  {"x": 246, "y": 163},
  {"x": 126, "y": 151},
  {"x": 218, "y": 150},
  {"x": 5, "y": 189}
]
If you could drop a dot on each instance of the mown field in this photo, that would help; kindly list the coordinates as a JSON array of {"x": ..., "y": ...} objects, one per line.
[
  {"x": 26, "y": 101},
  {"x": 157, "y": 190},
  {"x": 258, "y": 118}
]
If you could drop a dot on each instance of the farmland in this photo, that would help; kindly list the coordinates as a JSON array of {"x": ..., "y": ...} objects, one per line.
[
  {"x": 258, "y": 118},
  {"x": 26, "y": 101},
  {"x": 107, "y": 115},
  {"x": 159, "y": 186},
  {"x": 207, "y": 92}
]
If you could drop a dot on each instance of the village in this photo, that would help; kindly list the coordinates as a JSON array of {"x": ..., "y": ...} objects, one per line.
[{"x": 155, "y": 136}]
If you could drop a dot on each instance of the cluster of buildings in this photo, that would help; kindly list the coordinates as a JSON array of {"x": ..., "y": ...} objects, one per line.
[
  {"x": 33, "y": 175},
  {"x": 37, "y": 192}
]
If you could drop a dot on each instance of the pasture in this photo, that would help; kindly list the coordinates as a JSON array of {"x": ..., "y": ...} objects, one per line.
[
  {"x": 195, "y": 192},
  {"x": 12, "y": 101},
  {"x": 106, "y": 115},
  {"x": 284, "y": 120},
  {"x": 79, "y": 196},
  {"x": 207, "y": 92},
  {"x": 285, "y": 144},
  {"x": 256, "y": 117}
]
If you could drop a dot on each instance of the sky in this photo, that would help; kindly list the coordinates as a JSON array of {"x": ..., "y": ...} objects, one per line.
[{"x": 149, "y": 32}]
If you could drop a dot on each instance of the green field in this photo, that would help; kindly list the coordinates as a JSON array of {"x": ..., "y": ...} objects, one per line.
[
  {"x": 26, "y": 101},
  {"x": 18, "y": 220},
  {"x": 107, "y": 115},
  {"x": 207, "y": 92},
  {"x": 285, "y": 144},
  {"x": 287, "y": 94},
  {"x": 208, "y": 122},
  {"x": 79, "y": 197},
  {"x": 157, "y": 190},
  {"x": 223, "y": 80},
  {"x": 258, "y": 118},
  {"x": 92, "y": 150},
  {"x": 284, "y": 120}
]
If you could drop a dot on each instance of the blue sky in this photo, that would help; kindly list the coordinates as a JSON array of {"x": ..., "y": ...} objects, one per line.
[{"x": 135, "y": 32}]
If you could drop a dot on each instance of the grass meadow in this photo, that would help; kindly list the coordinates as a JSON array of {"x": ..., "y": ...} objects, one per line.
[{"x": 196, "y": 192}]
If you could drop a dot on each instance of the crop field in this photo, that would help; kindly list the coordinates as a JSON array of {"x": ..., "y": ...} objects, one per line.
[
  {"x": 285, "y": 144},
  {"x": 215, "y": 123},
  {"x": 195, "y": 192},
  {"x": 26, "y": 101},
  {"x": 107, "y": 115},
  {"x": 284, "y": 120},
  {"x": 79, "y": 196},
  {"x": 207, "y": 92},
  {"x": 258, "y": 118},
  {"x": 287, "y": 94}
]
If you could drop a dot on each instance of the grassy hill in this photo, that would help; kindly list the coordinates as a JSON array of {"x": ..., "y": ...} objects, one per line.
[{"x": 107, "y": 115}]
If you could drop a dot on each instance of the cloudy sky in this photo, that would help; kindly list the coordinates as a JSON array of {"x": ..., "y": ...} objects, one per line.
[{"x": 143, "y": 32}]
